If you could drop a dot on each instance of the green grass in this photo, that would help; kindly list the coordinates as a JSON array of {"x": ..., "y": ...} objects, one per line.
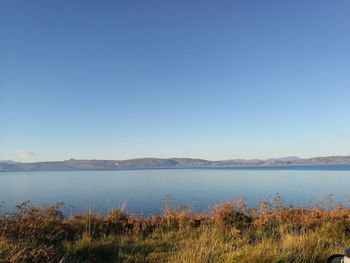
[{"x": 230, "y": 232}]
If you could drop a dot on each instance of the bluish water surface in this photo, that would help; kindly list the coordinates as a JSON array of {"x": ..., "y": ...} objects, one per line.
[{"x": 144, "y": 190}]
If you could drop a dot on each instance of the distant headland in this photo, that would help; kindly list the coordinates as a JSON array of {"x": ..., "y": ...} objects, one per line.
[{"x": 144, "y": 163}]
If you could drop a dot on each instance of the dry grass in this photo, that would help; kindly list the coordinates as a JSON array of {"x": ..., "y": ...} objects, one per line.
[{"x": 230, "y": 232}]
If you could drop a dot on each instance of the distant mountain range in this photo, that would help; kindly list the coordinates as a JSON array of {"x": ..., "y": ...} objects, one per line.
[{"x": 141, "y": 163}]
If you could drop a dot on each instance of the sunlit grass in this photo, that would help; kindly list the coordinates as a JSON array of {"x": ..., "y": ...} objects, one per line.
[{"x": 229, "y": 232}]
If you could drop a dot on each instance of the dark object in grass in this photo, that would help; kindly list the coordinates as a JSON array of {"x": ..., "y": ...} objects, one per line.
[
  {"x": 336, "y": 258},
  {"x": 339, "y": 258}
]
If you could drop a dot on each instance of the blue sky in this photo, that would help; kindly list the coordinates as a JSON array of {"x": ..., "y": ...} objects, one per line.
[{"x": 204, "y": 79}]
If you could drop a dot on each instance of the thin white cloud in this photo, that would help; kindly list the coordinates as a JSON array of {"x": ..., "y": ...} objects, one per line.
[{"x": 25, "y": 154}]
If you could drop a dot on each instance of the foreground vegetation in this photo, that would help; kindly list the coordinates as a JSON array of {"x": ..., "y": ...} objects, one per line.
[{"x": 229, "y": 232}]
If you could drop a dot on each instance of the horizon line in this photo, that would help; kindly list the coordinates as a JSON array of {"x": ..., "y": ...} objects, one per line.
[{"x": 193, "y": 158}]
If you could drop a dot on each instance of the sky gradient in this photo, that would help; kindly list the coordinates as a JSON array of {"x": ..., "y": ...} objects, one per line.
[{"x": 202, "y": 79}]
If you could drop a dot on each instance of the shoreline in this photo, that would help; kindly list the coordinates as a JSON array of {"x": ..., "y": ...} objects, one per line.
[{"x": 315, "y": 167}]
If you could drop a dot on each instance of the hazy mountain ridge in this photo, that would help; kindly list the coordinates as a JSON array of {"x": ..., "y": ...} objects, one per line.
[{"x": 72, "y": 164}]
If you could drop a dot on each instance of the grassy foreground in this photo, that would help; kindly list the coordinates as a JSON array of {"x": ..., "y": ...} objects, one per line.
[{"x": 229, "y": 232}]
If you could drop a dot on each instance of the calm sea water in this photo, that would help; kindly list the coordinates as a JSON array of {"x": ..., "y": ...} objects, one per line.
[{"x": 144, "y": 191}]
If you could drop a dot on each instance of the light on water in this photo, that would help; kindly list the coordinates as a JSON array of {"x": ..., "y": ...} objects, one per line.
[{"x": 144, "y": 190}]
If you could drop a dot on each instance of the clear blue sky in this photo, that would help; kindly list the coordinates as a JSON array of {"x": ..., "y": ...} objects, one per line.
[{"x": 204, "y": 79}]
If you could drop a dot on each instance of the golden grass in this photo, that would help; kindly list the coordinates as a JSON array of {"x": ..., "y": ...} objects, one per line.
[{"x": 229, "y": 232}]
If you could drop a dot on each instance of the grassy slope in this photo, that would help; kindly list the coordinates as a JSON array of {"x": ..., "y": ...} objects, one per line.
[{"x": 230, "y": 232}]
